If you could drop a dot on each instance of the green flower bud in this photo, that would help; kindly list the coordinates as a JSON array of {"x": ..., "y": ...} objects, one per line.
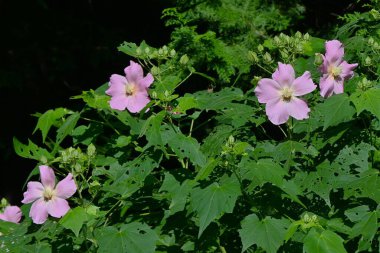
[
  {"x": 147, "y": 50},
  {"x": 376, "y": 46},
  {"x": 155, "y": 71},
  {"x": 184, "y": 59},
  {"x": 298, "y": 35},
  {"x": 160, "y": 51},
  {"x": 91, "y": 150},
  {"x": 260, "y": 48},
  {"x": 252, "y": 56},
  {"x": 371, "y": 41},
  {"x": 231, "y": 140},
  {"x": 367, "y": 61},
  {"x": 375, "y": 14},
  {"x": 153, "y": 95},
  {"x": 306, "y": 218},
  {"x": 276, "y": 40},
  {"x": 318, "y": 59},
  {"x": 284, "y": 54},
  {"x": 306, "y": 36},
  {"x": 172, "y": 53},
  {"x": 267, "y": 57},
  {"x": 138, "y": 51}
]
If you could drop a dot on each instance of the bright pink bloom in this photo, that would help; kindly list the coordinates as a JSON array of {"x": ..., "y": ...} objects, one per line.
[
  {"x": 131, "y": 91},
  {"x": 334, "y": 70},
  {"x": 280, "y": 94},
  {"x": 48, "y": 197},
  {"x": 11, "y": 214}
]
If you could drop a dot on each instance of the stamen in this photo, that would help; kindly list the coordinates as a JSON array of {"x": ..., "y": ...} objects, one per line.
[
  {"x": 286, "y": 94},
  {"x": 130, "y": 89},
  {"x": 48, "y": 194},
  {"x": 334, "y": 71}
]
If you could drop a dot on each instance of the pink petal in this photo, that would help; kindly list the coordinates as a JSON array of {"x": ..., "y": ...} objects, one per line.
[
  {"x": 338, "y": 86},
  {"x": 146, "y": 81},
  {"x": 277, "y": 111},
  {"x": 12, "y": 214},
  {"x": 134, "y": 72},
  {"x": 119, "y": 102},
  {"x": 116, "y": 85},
  {"x": 66, "y": 187},
  {"x": 326, "y": 84},
  {"x": 324, "y": 66},
  {"x": 34, "y": 191},
  {"x": 137, "y": 102},
  {"x": 298, "y": 109},
  {"x": 284, "y": 74},
  {"x": 266, "y": 90},
  {"x": 334, "y": 51},
  {"x": 47, "y": 176},
  {"x": 303, "y": 84},
  {"x": 39, "y": 211},
  {"x": 347, "y": 70},
  {"x": 2, "y": 217},
  {"x": 58, "y": 207}
]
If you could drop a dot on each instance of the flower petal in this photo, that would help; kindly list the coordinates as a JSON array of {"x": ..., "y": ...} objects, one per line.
[
  {"x": 39, "y": 211},
  {"x": 12, "y": 214},
  {"x": 347, "y": 70},
  {"x": 266, "y": 90},
  {"x": 134, "y": 72},
  {"x": 298, "y": 109},
  {"x": 303, "y": 84},
  {"x": 334, "y": 51},
  {"x": 284, "y": 74},
  {"x": 66, "y": 187},
  {"x": 326, "y": 84},
  {"x": 146, "y": 81},
  {"x": 34, "y": 191},
  {"x": 116, "y": 85},
  {"x": 119, "y": 102},
  {"x": 47, "y": 176},
  {"x": 338, "y": 86},
  {"x": 137, "y": 102},
  {"x": 277, "y": 111},
  {"x": 58, "y": 207}
]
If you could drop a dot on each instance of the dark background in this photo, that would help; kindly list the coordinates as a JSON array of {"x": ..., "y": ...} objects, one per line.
[{"x": 51, "y": 50}]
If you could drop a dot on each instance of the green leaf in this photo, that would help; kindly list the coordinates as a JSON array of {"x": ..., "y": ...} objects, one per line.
[
  {"x": 268, "y": 234},
  {"x": 368, "y": 100},
  {"x": 212, "y": 144},
  {"x": 74, "y": 219},
  {"x": 49, "y": 119},
  {"x": 357, "y": 213},
  {"x": 67, "y": 127},
  {"x": 151, "y": 129},
  {"x": 132, "y": 238},
  {"x": 218, "y": 100},
  {"x": 325, "y": 242},
  {"x": 336, "y": 109},
  {"x": 186, "y": 103},
  {"x": 94, "y": 99},
  {"x": 214, "y": 200},
  {"x": 186, "y": 147},
  {"x": 367, "y": 228},
  {"x": 177, "y": 192},
  {"x": 206, "y": 170},
  {"x": 31, "y": 151}
]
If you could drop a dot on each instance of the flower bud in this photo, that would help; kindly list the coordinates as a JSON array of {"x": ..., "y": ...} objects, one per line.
[
  {"x": 276, "y": 40},
  {"x": 367, "y": 61},
  {"x": 252, "y": 56},
  {"x": 306, "y": 36},
  {"x": 267, "y": 57},
  {"x": 260, "y": 48},
  {"x": 371, "y": 41},
  {"x": 153, "y": 95},
  {"x": 376, "y": 46},
  {"x": 284, "y": 54},
  {"x": 91, "y": 150},
  {"x": 318, "y": 59},
  {"x": 138, "y": 51},
  {"x": 298, "y": 35},
  {"x": 172, "y": 53},
  {"x": 231, "y": 140},
  {"x": 155, "y": 71},
  {"x": 184, "y": 59},
  {"x": 306, "y": 218},
  {"x": 160, "y": 51},
  {"x": 147, "y": 50},
  {"x": 166, "y": 93},
  {"x": 3, "y": 203}
]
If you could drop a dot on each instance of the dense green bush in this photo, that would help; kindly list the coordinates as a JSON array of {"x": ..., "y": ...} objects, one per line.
[{"x": 193, "y": 163}]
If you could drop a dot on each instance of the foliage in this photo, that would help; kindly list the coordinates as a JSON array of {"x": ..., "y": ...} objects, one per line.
[{"x": 203, "y": 169}]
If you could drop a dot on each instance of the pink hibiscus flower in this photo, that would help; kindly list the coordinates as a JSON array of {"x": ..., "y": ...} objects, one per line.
[
  {"x": 131, "y": 91},
  {"x": 280, "y": 94},
  {"x": 48, "y": 197},
  {"x": 11, "y": 214},
  {"x": 334, "y": 70}
]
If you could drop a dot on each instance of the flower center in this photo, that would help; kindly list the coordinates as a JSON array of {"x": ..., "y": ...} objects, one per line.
[
  {"x": 286, "y": 94},
  {"x": 335, "y": 71},
  {"x": 130, "y": 89},
  {"x": 48, "y": 194}
]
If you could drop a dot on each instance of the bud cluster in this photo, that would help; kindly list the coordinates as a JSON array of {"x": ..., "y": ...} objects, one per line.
[
  {"x": 365, "y": 84},
  {"x": 152, "y": 53},
  {"x": 75, "y": 159},
  {"x": 289, "y": 46}
]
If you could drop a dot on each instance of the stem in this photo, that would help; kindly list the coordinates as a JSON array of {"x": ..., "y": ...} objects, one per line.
[
  {"x": 263, "y": 68},
  {"x": 191, "y": 127},
  {"x": 282, "y": 130},
  {"x": 290, "y": 128}
]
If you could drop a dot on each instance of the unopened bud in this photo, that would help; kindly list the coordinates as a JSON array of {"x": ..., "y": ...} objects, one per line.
[
  {"x": 252, "y": 56},
  {"x": 267, "y": 57},
  {"x": 160, "y": 51},
  {"x": 153, "y": 95},
  {"x": 166, "y": 93},
  {"x": 138, "y": 51},
  {"x": 306, "y": 218},
  {"x": 371, "y": 41},
  {"x": 367, "y": 61},
  {"x": 318, "y": 59},
  {"x": 284, "y": 54},
  {"x": 298, "y": 35},
  {"x": 91, "y": 150},
  {"x": 155, "y": 71},
  {"x": 147, "y": 50},
  {"x": 276, "y": 40},
  {"x": 306, "y": 36},
  {"x": 184, "y": 59},
  {"x": 172, "y": 53},
  {"x": 231, "y": 140},
  {"x": 260, "y": 48}
]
